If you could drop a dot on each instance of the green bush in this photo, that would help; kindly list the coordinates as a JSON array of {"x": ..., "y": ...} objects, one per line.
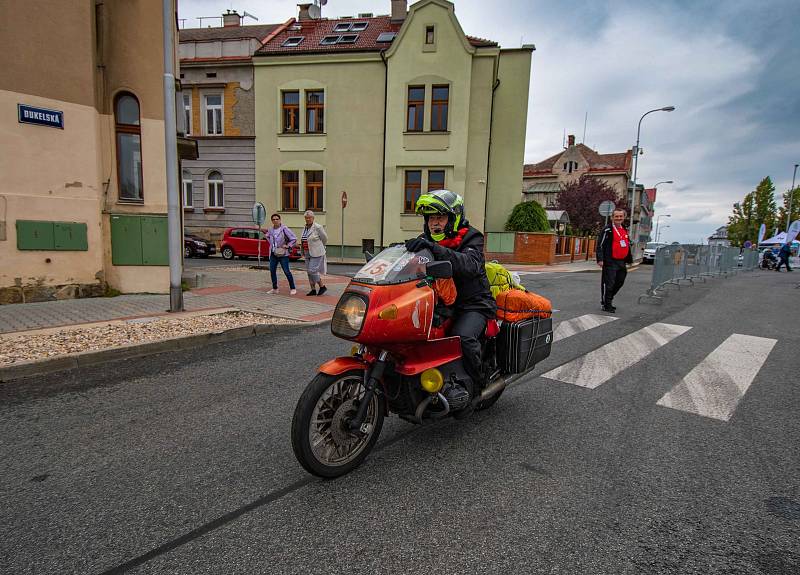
[{"x": 528, "y": 217}]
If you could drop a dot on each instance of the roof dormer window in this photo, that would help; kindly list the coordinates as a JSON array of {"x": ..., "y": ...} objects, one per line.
[
  {"x": 570, "y": 166},
  {"x": 292, "y": 41},
  {"x": 329, "y": 40},
  {"x": 348, "y": 39},
  {"x": 350, "y": 26}
]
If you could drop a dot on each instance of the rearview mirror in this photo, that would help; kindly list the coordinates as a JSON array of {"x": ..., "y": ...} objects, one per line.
[{"x": 439, "y": 270}]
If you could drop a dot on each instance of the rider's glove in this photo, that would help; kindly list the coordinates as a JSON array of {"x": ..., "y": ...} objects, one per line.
[{"x": 418, "y": 244}]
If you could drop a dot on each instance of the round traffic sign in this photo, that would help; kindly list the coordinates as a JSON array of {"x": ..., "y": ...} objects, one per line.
[
  {"x": 607, "y": 208},
  {"x": 259, "y": 214},
  {"x": 748, "y": 244}
]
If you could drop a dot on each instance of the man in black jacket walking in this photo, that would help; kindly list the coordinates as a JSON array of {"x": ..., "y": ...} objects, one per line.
[
  {"x": 613, "y": 253},
  {"x": 450, "y": 237}
]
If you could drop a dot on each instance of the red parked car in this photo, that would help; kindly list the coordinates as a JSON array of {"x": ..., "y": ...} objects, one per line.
[{"x": 243, "y": 242}]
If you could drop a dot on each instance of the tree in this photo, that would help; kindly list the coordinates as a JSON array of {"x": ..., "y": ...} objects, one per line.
[
  {"x": 758, "y": 207},
  {"x": 528, "y": 217},
  {"x": 785, "y": 208},
  {"x": 581, "y": 200}
]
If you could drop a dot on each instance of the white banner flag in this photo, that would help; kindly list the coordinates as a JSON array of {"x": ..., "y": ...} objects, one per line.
[
  {"x": 794, "y": 229},
  {"x": 762, "y": 232}
]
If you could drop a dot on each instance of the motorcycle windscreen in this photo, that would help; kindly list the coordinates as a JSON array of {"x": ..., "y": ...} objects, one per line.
[{"x": 394, "y": 265}]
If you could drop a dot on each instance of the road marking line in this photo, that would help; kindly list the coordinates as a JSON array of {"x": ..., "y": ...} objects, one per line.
[
  {"x": 717, "y": 384},
  {"x": 576, "y": 325},
  {"x": 600, "y": 365}
]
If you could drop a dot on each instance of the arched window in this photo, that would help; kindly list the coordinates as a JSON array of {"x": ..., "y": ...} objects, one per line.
[
  {"x": 129, "y": 148},
  {"x": 186, "y": 185},
  {"x": 216, "y": 195}
]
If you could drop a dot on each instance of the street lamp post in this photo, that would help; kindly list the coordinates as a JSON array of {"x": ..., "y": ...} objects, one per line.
[
  {"x": 636, "y": 161},
  {"x": 658, "y": 218},
  {"x": 656, "y": 188},
  {"x": 791, "y": 197},
  {"x": 659, "y": 233}
]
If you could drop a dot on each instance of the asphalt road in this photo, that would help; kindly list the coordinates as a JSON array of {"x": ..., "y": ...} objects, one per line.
[{"x": 181, "y": 463}]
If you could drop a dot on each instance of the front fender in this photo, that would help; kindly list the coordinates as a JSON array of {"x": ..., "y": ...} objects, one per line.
[{"x": 340, "y": 365}]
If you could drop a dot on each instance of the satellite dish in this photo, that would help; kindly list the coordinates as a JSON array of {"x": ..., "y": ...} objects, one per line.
[{"x": 314, "y": 12}]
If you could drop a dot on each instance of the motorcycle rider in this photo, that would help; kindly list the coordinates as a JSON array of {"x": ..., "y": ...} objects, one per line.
[{"x": 448, "y": 235}]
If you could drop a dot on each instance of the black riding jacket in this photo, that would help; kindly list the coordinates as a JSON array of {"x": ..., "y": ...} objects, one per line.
[
  {"x": 469, "y": 274},
  {"x": 604, "y": 241}
]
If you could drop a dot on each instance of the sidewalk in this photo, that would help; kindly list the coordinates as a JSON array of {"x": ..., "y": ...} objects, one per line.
[{"x": 221, "y": 288}]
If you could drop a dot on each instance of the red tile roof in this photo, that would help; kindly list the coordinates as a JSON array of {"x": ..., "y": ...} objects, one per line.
[
  {"x": 313, "y": 31},
  {"x": 598, "y": 163},
  {"x": 259, "y": 32}
]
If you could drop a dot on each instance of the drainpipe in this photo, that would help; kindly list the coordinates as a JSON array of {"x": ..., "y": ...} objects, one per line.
[
  {"x": 383, "y": 164},
  {"x": 489, "y": 156},
  {"x": 175, "y": 249}
]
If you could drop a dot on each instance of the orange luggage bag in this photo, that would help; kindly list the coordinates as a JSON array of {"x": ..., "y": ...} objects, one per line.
[{"x": 516, "y": 305}]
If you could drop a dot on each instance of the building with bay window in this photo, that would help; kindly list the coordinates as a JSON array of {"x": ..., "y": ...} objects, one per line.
[{"x": 384, "y": 108}]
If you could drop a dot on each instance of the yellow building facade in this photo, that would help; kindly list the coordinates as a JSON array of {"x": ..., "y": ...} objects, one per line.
[{"x": 385, "y": 108}]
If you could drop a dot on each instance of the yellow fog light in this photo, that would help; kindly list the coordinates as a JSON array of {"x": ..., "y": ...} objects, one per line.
[
  {"x": 354, "y": 350},
  {"x": 431, "y": 380},
  {"x": 389, "y": 312}
]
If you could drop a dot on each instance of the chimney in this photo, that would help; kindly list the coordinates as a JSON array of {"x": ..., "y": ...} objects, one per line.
[
  {"x": 399, "y": 10},
  {"x": 304, "y": 14},
  {"x": 231, "y": 18},
  {"x": 570, "y": 140}
]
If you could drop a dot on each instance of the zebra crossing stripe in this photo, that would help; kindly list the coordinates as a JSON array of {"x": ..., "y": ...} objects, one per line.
[
  {"x": 576, "y": 325},
  {"x": 717, "y": 384},
  {"x": 600, "y": 365}
]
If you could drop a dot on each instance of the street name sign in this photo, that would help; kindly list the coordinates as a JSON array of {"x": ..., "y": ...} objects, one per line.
[{"x": 40, "y": 116}]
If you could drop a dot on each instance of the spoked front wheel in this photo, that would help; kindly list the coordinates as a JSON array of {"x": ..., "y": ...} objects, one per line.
[{"x": 321, "y": 438}]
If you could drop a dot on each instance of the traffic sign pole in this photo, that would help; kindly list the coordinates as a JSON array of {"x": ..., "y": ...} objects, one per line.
[
  {"x": 259, "y": 217},
  {"x": 344, "y": 205}
]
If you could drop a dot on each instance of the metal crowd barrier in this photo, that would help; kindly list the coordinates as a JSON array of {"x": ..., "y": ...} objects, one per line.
[{"x": 689, "y": 263}]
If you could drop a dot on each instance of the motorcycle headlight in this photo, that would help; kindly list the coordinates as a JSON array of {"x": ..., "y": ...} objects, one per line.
[{"x": 348, "y": 317}]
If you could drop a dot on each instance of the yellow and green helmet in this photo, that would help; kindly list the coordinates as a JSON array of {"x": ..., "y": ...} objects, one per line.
[{"x": 442, "y": 202}]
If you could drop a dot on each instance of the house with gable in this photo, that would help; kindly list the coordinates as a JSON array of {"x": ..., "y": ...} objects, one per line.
[
  {"x": 384, "y": 108},
  {"x": 542, "y": 181}
]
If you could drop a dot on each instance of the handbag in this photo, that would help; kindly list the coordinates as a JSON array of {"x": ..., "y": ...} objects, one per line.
[{"x": 281, "y": 251}]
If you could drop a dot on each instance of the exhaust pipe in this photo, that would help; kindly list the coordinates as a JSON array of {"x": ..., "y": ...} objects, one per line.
[
  {"x": 492, "y": 389},
  {"x": 424, "y": 406}
]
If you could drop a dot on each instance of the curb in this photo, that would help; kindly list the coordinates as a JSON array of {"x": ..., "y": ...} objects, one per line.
[{"x": 92, "y": 358}]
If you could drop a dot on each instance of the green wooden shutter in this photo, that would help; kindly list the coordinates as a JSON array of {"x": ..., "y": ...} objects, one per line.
[
  {"x": 154, "y": 241},
  {"x": 126, "y": 240}
]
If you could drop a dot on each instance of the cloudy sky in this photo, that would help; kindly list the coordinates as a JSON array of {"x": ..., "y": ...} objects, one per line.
[{"x": 730, "y": 67}]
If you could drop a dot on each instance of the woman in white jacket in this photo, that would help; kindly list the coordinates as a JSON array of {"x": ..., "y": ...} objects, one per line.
[{"x": 314, "y": 240}]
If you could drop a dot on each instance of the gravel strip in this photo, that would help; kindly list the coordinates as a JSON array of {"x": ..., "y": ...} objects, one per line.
[{"x": 15, "y": 349}]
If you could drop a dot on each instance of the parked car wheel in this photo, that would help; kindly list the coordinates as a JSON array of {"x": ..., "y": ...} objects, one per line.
[
  {"x": 188, "y": 252},
  {"x": 227, "y": 252}
]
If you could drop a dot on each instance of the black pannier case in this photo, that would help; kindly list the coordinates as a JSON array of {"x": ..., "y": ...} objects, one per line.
[{"x": 523, "y": 344}]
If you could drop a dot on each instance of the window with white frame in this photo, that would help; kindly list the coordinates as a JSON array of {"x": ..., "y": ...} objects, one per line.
[
  {"x": 213, "y": 107},
  {"x": 216, "y": 194},
  {"x": 187, "y": 111},
  {"x": 186, "y": 186}
]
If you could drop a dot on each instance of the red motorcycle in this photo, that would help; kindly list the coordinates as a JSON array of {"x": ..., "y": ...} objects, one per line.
[{"x": 403, "y": 361}]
